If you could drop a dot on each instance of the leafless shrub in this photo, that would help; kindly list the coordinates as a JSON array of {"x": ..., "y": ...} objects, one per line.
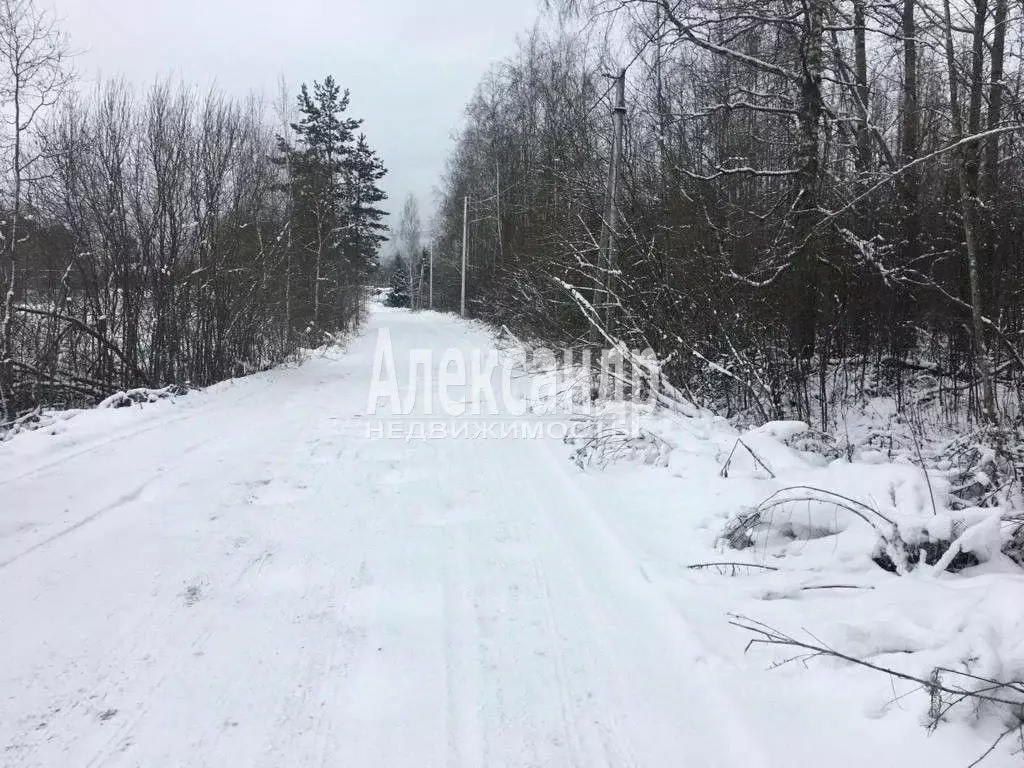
[
  {"x": 895, "y": 550},
  {"x": 600, "y": 446}
]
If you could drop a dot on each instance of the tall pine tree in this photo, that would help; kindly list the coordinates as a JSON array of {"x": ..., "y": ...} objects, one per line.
[
  {"x": 336, "y": 227},
  {"x": 368, "y": 230}
]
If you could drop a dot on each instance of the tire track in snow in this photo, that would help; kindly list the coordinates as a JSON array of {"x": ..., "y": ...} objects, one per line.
[
  {"x": 184, "y": 456},
  {"x": 133, "y": 684},
  {"x": 613, "y": 751},
  {"x": 600, "y": 736},
  {"x": 121, "y": 501},
  {"x": 129, "y": 433},
  {"x": 611, "y": 568},
  {"x": 546, "y": 654},
  {"x": 462, "y": 654}
]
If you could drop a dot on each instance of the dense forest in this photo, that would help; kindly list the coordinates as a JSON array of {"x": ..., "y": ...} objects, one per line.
[
  {"x": 167, "y": 236},
  {"x": 815, "y": 200}
]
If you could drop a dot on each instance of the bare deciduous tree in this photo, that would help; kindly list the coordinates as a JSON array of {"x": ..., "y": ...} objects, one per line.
[
  {"x": 816, "y": 199},
  {"x": 33, "y": 55},
  {"x": 409, "y": 240}
]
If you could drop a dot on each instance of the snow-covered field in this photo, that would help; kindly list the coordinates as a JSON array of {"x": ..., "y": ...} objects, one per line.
[{"x": 251, "y": 576}]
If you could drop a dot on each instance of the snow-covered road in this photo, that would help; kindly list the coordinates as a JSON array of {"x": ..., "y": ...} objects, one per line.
[
  {"x": 253, "y": 577},
  {"x": 247, "y": 578}
]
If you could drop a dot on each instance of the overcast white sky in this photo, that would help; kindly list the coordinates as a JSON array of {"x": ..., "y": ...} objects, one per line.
[{"x": 411, "y": 64}]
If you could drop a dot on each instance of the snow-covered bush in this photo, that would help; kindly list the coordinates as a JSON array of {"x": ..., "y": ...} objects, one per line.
[{"x": 141, "y": 395}]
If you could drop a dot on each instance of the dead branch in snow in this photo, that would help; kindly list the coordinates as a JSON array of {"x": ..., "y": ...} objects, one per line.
[
  {"x": 947, "y": 688},
  {"x": 725, "y": 467},
  {"x": 809, "y": 587},
  {"x": 811, "y": 493},
  {"x": 732, "y": 567}
]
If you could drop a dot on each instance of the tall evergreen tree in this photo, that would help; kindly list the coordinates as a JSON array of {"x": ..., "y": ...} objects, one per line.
[
  {"x": 368, "y": 229},
  {"x": 336, "y": 226}
]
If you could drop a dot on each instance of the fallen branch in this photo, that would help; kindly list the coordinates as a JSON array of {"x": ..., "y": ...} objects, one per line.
[
  {"x": 731, "y": 565},
  {"x": 836, "y": 586},
  {"x": 1006, "y": 693},
  {"x": 992, "y": 747},
  {"x": 725, "y": 467},
  {"x": 738, "y": 532},
  {"x": 767, "y": 635},
  {"x": 664, "y": 392},
  {"x": 858, "y": 508}
]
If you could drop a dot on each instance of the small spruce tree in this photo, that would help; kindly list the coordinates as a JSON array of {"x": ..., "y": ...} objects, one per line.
[{"x": 399, "y": 295}]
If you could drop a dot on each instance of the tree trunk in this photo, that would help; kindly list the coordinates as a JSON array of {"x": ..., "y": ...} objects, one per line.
[
  {"x": 967, "y": 161},
  {"x": 7, "y": 404},
  {"x": 908, "y": 182},
  {"x": 809, "y": 169},
  {"x": 991, "y": 261},
  {"x": 860, "y": 63}
]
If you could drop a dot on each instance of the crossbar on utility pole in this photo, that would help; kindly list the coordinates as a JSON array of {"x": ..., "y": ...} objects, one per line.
[{"x": 465, "y": 247}]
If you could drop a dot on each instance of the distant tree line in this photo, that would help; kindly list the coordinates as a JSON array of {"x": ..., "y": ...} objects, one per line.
[
  {"x": 163, "y": 236},
  {"x": 406, "y": 271},
  {"x": 817, "y": 199}
]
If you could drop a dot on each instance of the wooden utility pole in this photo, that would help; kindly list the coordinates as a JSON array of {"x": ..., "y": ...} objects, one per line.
[
  {"x": 618, "y": 121},
  {"x": 465, "y": 247},
  {"x": 497, "y": 208},
  {"x": 419, "y": 283},
  {"x": 607, "y": 247},
  {"x": 431, "y": 291}
]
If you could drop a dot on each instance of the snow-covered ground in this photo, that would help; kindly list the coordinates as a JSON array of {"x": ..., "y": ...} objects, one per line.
[{"x": 254, "y": 576}]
